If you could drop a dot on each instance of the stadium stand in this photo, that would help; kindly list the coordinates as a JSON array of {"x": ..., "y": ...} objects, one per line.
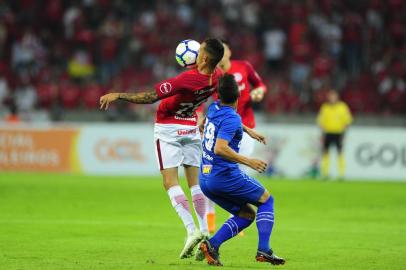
[{"x": 61, "y": 55}]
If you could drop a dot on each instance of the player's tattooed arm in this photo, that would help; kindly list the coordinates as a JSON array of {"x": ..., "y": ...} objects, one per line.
[
  {"x": 138, "y": 98},
  {"x": 253, "y": 134}
]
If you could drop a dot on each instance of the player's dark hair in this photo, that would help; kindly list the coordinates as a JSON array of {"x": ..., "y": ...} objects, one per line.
[
  {"x": 228, "y": 89},
  {"x": 215, "y": 50},
  {"x": 225, "y": 41}
]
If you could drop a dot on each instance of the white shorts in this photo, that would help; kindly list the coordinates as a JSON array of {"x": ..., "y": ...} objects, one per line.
[
  {"x": 247, "y": 145},
  {"x": 177, "y": 145},
  {"x": 246, "y": 149}
]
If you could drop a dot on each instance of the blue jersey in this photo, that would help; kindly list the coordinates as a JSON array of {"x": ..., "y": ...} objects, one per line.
[{"x": 221, "y": 122}]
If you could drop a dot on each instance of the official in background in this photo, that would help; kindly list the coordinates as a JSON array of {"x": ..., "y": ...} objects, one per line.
[{"x": 334, "y": 118}]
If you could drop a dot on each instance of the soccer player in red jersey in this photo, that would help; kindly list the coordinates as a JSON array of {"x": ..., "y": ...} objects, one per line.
[
  {"x": 177, "y": 136},
  {"x": 252, "y": 89}
]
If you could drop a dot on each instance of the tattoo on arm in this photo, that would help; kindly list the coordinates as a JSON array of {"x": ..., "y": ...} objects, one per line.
[{"x": 140, "y": 98}]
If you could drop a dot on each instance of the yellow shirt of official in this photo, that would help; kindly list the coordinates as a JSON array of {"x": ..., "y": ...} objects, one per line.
[{"x": 334, "y": 117}]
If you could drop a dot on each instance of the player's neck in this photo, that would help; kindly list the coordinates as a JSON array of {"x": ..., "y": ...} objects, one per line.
[
  {"x": 232, "y": 105},
  {"x": 205, "y": 70},
  {"x": 225, "y": 66}
]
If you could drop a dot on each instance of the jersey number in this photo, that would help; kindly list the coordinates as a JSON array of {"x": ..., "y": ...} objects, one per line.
[
  {"x": 209, "y": 135},
  {"x": 188, "y": 108}
]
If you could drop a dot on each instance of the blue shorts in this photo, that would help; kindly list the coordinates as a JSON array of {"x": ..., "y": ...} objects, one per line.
[{"x": 231, "y": 191}]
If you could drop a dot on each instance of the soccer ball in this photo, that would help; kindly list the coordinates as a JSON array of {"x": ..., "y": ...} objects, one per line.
[{"x": 186, "y": 53}]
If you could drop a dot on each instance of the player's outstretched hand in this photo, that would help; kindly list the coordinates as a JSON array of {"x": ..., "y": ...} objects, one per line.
[
  {"x": 257, "y": 165},
  {"x": 255, "y": 135},
  {"x": 107, "y": 99}
]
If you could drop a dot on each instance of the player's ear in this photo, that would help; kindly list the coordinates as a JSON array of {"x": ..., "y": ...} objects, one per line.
[{"x": 205, "y": 58}]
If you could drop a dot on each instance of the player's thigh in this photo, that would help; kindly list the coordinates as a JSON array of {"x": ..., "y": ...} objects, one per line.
[
  {"x": 230, "y": 206},
  {"x": 247, "y": 145},
  {"x": 192, "y": 152},
  {"x": 339, "y": 142},
  {"x": 249, "y": 191},
  {"x": 192, "y": 175},
  {"x": 168, "y": 154},
  {"x": 327, "y": 139},
  {"x": 170, "y": 177}
]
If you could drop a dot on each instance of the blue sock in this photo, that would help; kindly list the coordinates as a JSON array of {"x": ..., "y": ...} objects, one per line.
[
  {"x": 265, "y": 220},
  {"x": 229, "y": 229}
]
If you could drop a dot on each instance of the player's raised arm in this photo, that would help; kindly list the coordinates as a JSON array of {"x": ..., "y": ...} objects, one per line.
[
  {"x": 138, "y": 98},
  {"x": 161, "y": 90}
]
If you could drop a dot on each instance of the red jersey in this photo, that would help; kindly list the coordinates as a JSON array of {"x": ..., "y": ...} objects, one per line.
[
  {"x": 183, "y": 94},
  {"x": 245, "y": 76}
]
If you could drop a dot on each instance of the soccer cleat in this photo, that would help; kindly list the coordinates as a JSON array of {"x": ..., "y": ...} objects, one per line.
[
  {"x": 199, "y": 254},
  {"x": 191, "y": 241},
  {"x": 269, "y": 257},
  {"x": 212, "y": 256}
]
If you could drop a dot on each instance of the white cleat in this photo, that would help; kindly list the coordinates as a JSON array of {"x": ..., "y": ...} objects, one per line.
[{"x": 191, "y": 241}]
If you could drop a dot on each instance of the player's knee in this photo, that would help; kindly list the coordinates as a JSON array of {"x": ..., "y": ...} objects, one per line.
[
  {"x": 168, "y": 183},
  {"x": 247, "y": 212},
  {"x": 265, "y": 196},
  {"x": 268, "y": 203}
]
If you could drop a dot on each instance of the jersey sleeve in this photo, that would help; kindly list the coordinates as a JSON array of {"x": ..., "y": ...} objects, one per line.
[
  {"x": 346, "y": 114},
  {"x": 228, "y": 128},
  {"x": 321, "y": 116},
  {"x": 169, "y": 87},
  {"x": 253, "y": 77}
]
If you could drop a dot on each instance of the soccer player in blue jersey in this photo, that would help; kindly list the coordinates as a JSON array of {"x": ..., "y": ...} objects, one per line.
[{"x": 222, "y": 181}]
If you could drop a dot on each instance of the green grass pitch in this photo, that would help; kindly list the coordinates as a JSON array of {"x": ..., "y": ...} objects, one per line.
[{"x": 50, "y": 221}]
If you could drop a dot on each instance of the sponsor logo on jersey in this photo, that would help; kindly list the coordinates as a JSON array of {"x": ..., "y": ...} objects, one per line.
[
  {"x": 185, "y": 118},
  {"x": 207, "y": 156},
  {"x": 183, "y": 132},
  {"x": 165, "y": 88},
  {"x": 241, "y": 87},
  {"x": 206, "y": 169},
  {"x": 238, "y": 77}
]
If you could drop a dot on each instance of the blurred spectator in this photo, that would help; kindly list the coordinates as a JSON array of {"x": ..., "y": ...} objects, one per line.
[
  {"x": 352, "y": 39},
  {"x": 80, "y": 66},
  {"x": 274, "y": 47},
  {"x": 28, "y": 54},
  {"x": 25, "y": 96},
  {"x": 300, "y": 67},
  {"x": 12, "y": 117},
  {"x": 4, "y": 90}
]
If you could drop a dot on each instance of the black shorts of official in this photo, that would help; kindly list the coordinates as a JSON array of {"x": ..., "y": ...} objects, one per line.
[{"x": 335, "y": 139}]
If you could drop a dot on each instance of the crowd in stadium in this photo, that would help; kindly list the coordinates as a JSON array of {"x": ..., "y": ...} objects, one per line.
[{"x": 64, "y": 54}]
